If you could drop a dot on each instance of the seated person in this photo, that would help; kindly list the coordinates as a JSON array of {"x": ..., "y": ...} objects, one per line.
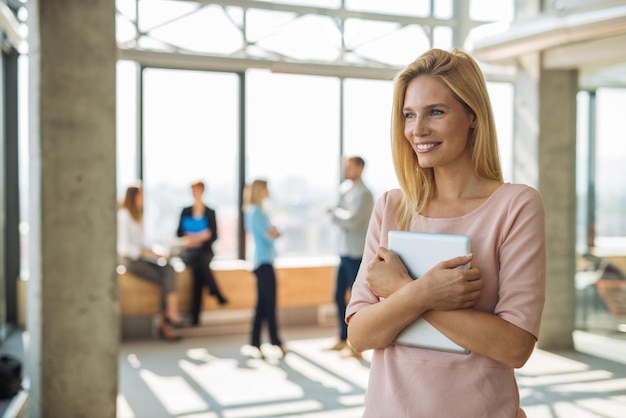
[
  {"x": 198, "y": 226},
  {"x": 145, "y": 262}
]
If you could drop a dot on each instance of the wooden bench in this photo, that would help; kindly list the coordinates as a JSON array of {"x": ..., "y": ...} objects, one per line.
[
  {"x": 613, "y": 293},
  {"x": 611, "y": 289},
  {"x": 305, "y": 295}
]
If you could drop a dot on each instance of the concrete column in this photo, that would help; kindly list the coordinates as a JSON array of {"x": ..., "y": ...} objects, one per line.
[
  {"x": 545, "y": 158},
  {"x": 72, "y": 355},
  {"x": 557, "y": 184}
]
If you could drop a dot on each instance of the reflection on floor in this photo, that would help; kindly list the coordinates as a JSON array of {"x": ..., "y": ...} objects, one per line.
[{"x": 221, "y": 377}]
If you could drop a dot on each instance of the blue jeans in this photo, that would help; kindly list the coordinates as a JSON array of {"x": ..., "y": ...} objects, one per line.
[{"x": 346, "y": 274}]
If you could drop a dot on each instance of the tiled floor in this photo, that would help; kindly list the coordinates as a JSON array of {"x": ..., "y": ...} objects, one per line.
[{"x": 218, "y": 377}]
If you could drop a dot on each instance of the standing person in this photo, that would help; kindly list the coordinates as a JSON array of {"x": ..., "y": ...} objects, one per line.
[
  {"x": 258, "y": 223},
  {"x": 446, "y": 158},
  {"x": 145, "y": 262},
  {"x": 199, "y": 227},
  {"x": 352, "y": 215}
]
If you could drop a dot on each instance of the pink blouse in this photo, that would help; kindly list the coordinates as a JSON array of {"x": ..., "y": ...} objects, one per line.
[{"x": 509, "y": 246}]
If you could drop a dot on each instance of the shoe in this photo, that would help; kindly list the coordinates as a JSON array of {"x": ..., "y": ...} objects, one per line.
[
  {"x": 259, "y": 353},
  {"x": 175, "y": 325},
  {"x": 282, "y": 349},
  {"x": 339, "y": 345},
  {"x": 170, "y": 338}
]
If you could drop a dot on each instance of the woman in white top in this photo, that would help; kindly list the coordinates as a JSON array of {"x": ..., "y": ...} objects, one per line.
[{"x": 146, "y": 263}]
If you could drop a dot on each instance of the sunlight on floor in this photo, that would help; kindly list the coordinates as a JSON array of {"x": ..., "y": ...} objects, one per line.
[
  {"x": 230, "y": 380},
  {"x": 174, "y": 392}
]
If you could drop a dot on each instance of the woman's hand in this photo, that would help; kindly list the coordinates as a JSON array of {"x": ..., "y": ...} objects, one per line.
[
  {"x": 386, "y": 273},
  {"x": 273, "y": 232},
  {"x": 446, "y": 287},
  {"x": 449, "y": 288},
  {"x": 196, "y": 240}
]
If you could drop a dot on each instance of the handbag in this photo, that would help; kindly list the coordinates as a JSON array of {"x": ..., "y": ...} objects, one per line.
[{"x": 10, "y": 376}]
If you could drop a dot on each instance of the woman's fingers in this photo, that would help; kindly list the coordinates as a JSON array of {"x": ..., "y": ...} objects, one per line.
[{"x": 455, "y": 262}]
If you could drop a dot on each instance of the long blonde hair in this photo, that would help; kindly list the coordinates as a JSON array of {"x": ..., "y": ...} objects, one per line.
[
  {"x": 461, "y": 74},
  {"x": 253, "y": 194}
]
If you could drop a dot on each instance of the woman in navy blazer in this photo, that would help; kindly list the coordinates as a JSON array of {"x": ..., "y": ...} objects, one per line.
[{"x": 199, "y": 227}]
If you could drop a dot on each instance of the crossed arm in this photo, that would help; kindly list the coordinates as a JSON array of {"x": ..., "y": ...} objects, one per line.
[{"x": 444, "y": 297}]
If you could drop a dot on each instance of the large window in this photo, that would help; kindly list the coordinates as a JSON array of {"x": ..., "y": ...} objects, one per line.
[
  {"x": 601, "y": 199},
  {"x": 318, "y": 86},
  {"x": 501, "y": 95},
  {"x": 600, "y": 183},
  {"x": 367, "y": 110},
  {"x": 191, "y": 132},
  {"x": 293, "y": 142},
  {"x": 610, "y": 182}
]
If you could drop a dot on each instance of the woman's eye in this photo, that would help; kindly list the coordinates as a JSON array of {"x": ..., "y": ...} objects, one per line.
[
  {"x": 408, "y": 115},
  {"x": 436, "y": 112}
]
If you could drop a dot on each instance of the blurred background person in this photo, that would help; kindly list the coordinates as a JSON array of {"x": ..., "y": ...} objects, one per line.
[
  {"x": 145, "y": 262},
  {"x": 198, "y": 226},
  {"x": 351, "y": 215},
  {"x": 258, "y": 224}
]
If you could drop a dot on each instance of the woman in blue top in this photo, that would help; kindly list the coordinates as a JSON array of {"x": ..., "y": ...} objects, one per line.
[{"x": 258, "y": 223}]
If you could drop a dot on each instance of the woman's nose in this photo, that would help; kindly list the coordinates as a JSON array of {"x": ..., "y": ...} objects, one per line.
[{"x": 420, "y": 128}]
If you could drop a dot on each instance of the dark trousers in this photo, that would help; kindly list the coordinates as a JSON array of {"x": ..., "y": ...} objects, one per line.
[
  {"x": 265, "y": 311},
  {"x": 346, "y": 274},
  {"x": 164, "y": 276},
  {"x": 203, "y": 276}
]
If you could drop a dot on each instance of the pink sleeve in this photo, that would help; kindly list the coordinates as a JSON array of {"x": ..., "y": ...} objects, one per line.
[{"x": 522, "y": 261}]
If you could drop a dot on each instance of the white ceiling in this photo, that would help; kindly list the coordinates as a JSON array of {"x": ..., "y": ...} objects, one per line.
[{"x": 592, "y": 41}]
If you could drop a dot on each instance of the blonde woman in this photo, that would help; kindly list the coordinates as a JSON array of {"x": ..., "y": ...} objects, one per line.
[
  {"x": 446, "y": 159},
  {"x": 259, "y": 225},
  {"x": 146, "y": 263}
]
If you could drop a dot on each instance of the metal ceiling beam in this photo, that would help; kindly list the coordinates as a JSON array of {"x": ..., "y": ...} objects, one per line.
[
  {"x": 13, "y": 29},
  {"x": 234, "y": 64},
  {"x": 341, "y": 13}
]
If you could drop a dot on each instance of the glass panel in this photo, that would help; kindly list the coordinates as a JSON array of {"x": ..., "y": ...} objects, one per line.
[
  {"x": 367, "y": 110},
  {"x": 126, "y": 17},
  {"x": 602, "y": 257},
  {"x": 489, "y": 10},
  {"x": 442, "y": 37},
  {"x": 190, "y": 132},
  {"x": 127, "y": 170},
  {"x": 401, "y": 7},
  {"x": 294, "y": 39},
  {"x": 157, "y": 13},
  {"x": 582, "y": 170},
  {"x": 393, "y": 49},
  {"x": 330, "y": 4},
  {"x": 261, "y": 24},
  {"x": 127, "y": 8},
  {"x": 442, "y": 9},
  {"x": 24, "y": 163},
  {"x": 293, "y": 142},
  {"x": 208, "y": 30},
  {"x": 610, "y": 180},
  {"x": 501, "y": 95}
]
